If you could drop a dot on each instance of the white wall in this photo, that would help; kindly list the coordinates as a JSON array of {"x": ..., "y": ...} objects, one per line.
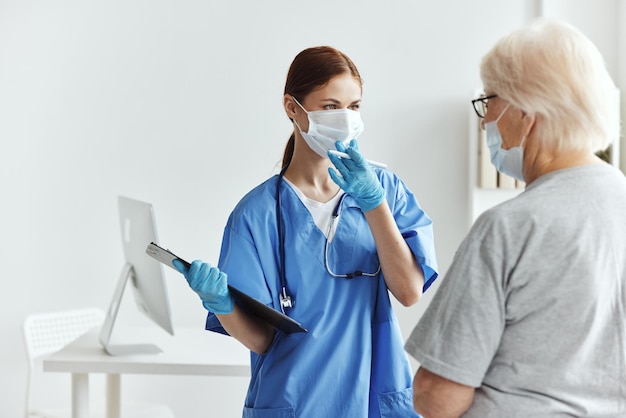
[
  {"x": 179, "y": 104},
  {"x": 621, "y": 77}
]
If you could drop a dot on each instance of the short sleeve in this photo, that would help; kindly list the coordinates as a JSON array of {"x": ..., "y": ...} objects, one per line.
[
  {"x": 460, "y": 332},
  {"x": 241, "y": 261}
]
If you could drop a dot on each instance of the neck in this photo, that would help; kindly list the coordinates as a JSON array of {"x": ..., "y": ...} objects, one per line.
[
  {"x": 542, "y": 161},
  {"x": 309, "y": 173}
]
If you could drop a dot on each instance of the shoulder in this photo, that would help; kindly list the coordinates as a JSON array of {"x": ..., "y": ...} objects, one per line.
[
  {"x": 256, "y": 206},
  {"x": 392, "y": 183},
  {"x": 504, "y": 222},
  {"x": 259, "y": 197},
  {"x": 386, "y": 176}
]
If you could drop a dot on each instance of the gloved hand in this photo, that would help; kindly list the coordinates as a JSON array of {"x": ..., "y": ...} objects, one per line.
[
  {"x": 357, "y": 177},
  {"x": 210, "y": 284}
]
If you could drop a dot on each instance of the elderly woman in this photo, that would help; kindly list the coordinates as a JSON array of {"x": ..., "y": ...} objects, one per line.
[{"x": 530, "y": 319}]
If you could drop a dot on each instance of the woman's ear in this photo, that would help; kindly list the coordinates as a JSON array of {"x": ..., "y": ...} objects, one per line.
[
  {"x": 528, "y": 123},
  {"x": 290, "y": 106}
]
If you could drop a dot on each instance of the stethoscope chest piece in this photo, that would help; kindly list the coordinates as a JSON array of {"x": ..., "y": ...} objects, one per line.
[{"x": 285, "y": 300}]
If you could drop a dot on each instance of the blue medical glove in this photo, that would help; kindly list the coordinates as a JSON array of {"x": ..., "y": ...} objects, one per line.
[
  {"x": 357, "y": 177},
  {"x": 210, "y": 284}
]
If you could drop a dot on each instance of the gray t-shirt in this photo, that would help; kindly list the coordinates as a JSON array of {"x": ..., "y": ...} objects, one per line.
[{"x": 532, "y": 309}]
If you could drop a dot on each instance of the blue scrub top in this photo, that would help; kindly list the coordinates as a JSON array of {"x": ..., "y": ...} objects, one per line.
[{"x": 351, "y": 363}]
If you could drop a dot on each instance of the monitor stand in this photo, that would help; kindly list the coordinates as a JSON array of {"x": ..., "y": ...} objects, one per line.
[{"x": 107, "y": 328}]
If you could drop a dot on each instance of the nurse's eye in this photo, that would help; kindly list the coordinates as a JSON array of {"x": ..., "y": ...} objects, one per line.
[
  {"x": 330, "y": 107},
  {"x": 354, "y": 107}
]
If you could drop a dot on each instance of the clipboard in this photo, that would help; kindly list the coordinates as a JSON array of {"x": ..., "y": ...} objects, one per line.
[{"x": 244, "y": 301}]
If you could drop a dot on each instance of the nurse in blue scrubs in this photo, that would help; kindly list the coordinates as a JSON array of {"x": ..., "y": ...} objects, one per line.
[{"x": 326, "y": 241}]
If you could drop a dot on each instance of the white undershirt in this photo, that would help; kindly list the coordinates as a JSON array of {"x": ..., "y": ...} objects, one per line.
[{"x": 321, "y": 212}]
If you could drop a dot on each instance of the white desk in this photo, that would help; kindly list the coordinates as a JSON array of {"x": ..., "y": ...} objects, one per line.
[{"x": 188, "y": 352}]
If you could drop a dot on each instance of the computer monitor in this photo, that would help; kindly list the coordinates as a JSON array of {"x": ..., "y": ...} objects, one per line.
[{"x": 138, "y": 229}]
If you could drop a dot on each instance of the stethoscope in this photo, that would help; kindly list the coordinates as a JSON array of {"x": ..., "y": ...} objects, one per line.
[{"x": 287, "y": 301}]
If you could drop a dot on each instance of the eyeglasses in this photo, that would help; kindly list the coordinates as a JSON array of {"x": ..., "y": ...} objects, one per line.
[{"x": 481, "y": 105}]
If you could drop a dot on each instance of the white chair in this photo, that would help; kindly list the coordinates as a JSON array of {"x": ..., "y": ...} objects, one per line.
[{"x": 45, "y": 333}]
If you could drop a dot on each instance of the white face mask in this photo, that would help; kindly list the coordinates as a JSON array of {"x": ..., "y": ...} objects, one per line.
[
  {"x": 328, "y": 126},
  {"x": 507, "y": 161}
]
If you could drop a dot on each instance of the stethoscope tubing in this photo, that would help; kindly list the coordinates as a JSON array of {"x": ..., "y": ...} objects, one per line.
[{"x": 286, "y": 301}]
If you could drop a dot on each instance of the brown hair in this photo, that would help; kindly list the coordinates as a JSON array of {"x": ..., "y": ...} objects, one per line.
[{"x": 311, "y": 69}]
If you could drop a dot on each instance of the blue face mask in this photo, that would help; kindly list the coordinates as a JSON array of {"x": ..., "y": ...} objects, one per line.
[{"x": 507, "y": 161}]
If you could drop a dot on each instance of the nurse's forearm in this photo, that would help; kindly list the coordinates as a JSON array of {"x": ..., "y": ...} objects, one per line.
[
  {"x": 254, "y": 333},
  {"x": 403, "y": 275}
]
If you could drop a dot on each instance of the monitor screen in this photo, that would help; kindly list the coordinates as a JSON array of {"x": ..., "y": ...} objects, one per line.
[{"x": 138, "y": 229}]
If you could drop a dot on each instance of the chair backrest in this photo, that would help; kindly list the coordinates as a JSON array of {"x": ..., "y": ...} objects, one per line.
[{"x": 48, "y": 332}]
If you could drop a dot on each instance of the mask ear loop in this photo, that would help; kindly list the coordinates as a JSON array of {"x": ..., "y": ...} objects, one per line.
[
  {"x": 521, "y": 144},
  {"x": 305, "y": 111},
  {"x": 298, "y": 103},
  {"x": 502, "y": 114},
  {"x": 527, "y": 129}
]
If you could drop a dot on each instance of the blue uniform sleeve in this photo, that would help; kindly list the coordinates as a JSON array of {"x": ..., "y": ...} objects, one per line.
[
  {"x": 244, "y": 260},
  {"x": 213, "y": 324},
  {"x": 427, "y": 263},
  {"x": 416, "y": 227}
]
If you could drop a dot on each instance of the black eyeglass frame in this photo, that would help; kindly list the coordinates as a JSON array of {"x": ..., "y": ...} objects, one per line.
[{"x": 480, "y": 105}]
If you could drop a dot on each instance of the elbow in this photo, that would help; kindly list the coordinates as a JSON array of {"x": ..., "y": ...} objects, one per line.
[
  {"x": 262, "y": 343},
  {"x": 412, "y": 292},
  {"x": 436, "y": 396},
  {"x": 423, "y": 405},
  {"x": 259, "y": 348},
  {"x": 256, "y": 339},
  {"x": 425, "y": 409},
  {"x": 410, "y": 297},
  {"x": 406, "y": 286},
  {"x": 422, "y": 409}
]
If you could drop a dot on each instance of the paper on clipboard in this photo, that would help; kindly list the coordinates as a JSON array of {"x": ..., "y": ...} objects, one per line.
[{"x": 244, "y": 301}]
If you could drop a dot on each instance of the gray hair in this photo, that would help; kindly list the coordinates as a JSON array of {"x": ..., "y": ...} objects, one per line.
[{"x": 552, "y": 70}]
